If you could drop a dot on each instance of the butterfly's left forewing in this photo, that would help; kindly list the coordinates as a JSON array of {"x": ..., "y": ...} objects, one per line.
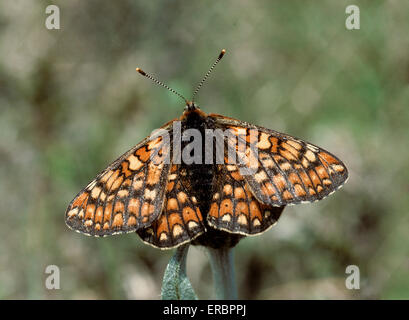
[
  {"x": 280, "y": 169},
  {"x": 126, "y": 196}
]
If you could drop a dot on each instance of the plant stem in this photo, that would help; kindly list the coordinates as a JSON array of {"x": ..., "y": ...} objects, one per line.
[{"x": 222, "y": 264}]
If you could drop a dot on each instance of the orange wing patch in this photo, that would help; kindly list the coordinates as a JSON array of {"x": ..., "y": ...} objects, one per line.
[
  {"x": 142, "y": 192},
  {"x": 282, "y": 170},
  {"x": 126, "y": 196},
  {"x": 181, "y": 220},
  {"x": 238, "y": 211}
]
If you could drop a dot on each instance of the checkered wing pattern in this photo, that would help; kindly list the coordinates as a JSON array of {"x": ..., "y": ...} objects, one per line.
[
  {"x": 283, "y": 170},
  {"x": 234, "y": 208},
  {"x": 181, "y": 220},
  {"x": 126, "y": 196}
]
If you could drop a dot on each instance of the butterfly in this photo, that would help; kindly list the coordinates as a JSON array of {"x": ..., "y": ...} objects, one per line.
[{"x": 238, "y": 186}]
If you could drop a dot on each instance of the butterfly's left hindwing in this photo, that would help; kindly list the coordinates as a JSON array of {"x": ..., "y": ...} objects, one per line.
[
  {"x": 126, "y": 196},
  {"x": 234, "y": 208}
]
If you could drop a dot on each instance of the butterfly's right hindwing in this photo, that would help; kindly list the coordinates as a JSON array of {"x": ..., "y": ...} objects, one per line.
[{"x": 181, "y": 220}]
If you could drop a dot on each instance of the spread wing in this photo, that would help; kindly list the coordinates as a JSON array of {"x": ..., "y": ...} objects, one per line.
[
  {"x": 234, "y": 208},
  {"x": 281, "y": 169},
  {"x": 181, "y": 220},
  {"x": 129, "y": 194}
]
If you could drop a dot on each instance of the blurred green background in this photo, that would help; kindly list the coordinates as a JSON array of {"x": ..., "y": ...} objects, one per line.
[{"x": 71, "y": 102}]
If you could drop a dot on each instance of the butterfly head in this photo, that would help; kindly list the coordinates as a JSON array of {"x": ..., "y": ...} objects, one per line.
[
  {"x": 191, "y": 106},
  {"x": 192, "y": 111}
]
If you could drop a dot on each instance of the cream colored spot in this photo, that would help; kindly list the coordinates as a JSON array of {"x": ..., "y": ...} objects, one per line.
[
  {"x": 305, "y": 163},
  {"x": 111, "y": 197},
  {"x": 294, "y": 144},
  {"x": 177, "y": 231},
  {"x": 263, "y": 143},
  {"x": 182, "y": 197},
  {"x": 123, "y": 193},
  {"x": 137, "y": 184},
  {"x": 72, "y": 212},
  {"x": 216, "y": 196},
  {"x": 172, "y": 176},
  {"x": 242, "y": 219},
  {"x": 192, "y": 224},
  {"x": 163, "y": 237},
  {"x": 81, "y": 214},
  {"x": 260, "y": 176},
  {"x": 231, "y": 167},
  {"x": 117, "y": 183},
  {"x": 227, "y": 189},
  {"x": 310, "y": 156},
  {"x": 88, "y": 223},
  {"x": 256, "y": 222},
  {"x": 338, "y": 168},
  {"x": 103, "y": 196},
  {"x": 106, "y": 226},
  {"x": 269, "y": 163},
  {"x": 267, "y": 213},
  {"x": 226, "y": 217},
  {"x": 134, "y": 162},
  {"x": 194, "y": 200},
  {"x": 95, "y": 192},
  {"x": 285, "y": 166},
  {"x": 150, "y": 194},
  {"x": 327, "y": 182}
]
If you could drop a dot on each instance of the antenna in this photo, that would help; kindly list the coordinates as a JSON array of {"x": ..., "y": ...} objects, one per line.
[
  {"x": 208, "y": 73},
  {"x": 160, "y": 83}
]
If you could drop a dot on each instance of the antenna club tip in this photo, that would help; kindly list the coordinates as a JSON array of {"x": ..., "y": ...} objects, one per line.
[
  {"x": 222, "y": 53},
  {"x": 141, "y": 71}
]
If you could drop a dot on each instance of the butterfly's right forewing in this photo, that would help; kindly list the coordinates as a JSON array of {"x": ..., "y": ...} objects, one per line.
[{"x": 126, "y": 196}]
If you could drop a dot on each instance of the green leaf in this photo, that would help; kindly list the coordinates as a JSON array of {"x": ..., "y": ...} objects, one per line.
[{"x": 176, "y": 284}]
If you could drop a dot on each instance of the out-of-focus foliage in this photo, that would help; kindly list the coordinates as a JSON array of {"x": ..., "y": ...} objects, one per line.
[{"x": 71, "y": 102}]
